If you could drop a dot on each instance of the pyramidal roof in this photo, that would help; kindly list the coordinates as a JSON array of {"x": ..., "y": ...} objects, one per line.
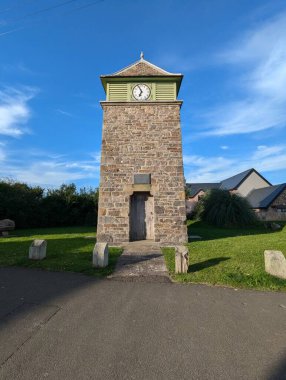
[{"x": 141, "y": 68}]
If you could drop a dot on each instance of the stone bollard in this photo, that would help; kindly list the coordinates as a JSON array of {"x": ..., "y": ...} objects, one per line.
[
  {"x": 100, "y": 255},
  {"x": 275, "y": 263},
  {"x": 37, "y": 250},
  {"x": 181, "y": 259}
]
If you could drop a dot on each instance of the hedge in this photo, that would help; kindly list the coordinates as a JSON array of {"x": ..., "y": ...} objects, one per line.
[{"x": 32, "y": 206}]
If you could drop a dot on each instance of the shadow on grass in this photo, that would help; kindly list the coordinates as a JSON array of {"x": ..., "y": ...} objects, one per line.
[
  {"x": 206, "y": 264},
  {"x": 209, "y": 232},
  {"x": 23, "y": 232},
  {"x": 64, "y": 254}
]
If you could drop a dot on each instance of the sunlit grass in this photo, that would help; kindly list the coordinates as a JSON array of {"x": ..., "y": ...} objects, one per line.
[
  {"x": 68, "y": 249},
  {"x": 233, "y": 257}
]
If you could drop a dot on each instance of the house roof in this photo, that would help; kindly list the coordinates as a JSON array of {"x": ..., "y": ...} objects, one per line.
[
  {"x": 230, "y": 183},
  {"x": 262, "y": 198},
  {"x": 195, "y": 188},
  {"x": 235, "y": 181}
]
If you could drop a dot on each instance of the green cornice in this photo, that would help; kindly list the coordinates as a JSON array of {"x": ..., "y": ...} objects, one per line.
[{"x": 141, "y": 103}]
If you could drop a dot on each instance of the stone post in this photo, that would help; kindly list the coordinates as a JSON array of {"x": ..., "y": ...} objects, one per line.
[
  {"x": 275, "y": 263},
  {"x": 100, "y": 255},
  {"x": 181, "y": 259},
  {"x": 37, "y": 250}
]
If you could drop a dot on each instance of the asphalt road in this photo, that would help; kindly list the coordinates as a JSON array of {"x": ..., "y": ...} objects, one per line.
[{"x": 68, "y": 326}]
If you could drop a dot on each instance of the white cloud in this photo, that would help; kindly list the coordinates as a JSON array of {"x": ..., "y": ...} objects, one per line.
[
  {"x": 96, "y": 156},
  {"x": 206, "y": 164},
  {"x": 10, "y": 31},
  {"x": 260, "y": 57},
  {"x": 14, "y": 110},
  {"x": 65, "y": 113},
  {"x": 2, "y": 154},
  {"x": 224, "y": 147},
  {"x": 207, "y": 169},
  {"x": 213, "y": 169},
  {"x": 264, "y": 151},
  {"x": 46, "y": 169},
  {"x": 256, "y": 42},
  {"x": 176, "y": 62},
  {"x": 18, "y": 67},
  {"x": 246, "y": 117}
]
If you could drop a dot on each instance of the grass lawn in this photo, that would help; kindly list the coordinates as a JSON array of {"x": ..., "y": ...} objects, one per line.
[
  {"x": 67, "y": 250},
  {"x": 232, "y": 257}
]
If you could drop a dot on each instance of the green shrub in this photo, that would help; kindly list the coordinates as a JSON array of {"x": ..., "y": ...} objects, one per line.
[
  {"x": 197, "y": 211},
  {"x": 223, "y": 209},
  {"x": 34, "y": 207}
]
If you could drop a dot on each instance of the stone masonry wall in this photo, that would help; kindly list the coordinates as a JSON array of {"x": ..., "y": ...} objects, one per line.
[
  {"x": 142, "y": 138},
  {"x": 274, "y": 211},
  {"x": 280, "y": 200},
  {"x": 271, "y": 214}
]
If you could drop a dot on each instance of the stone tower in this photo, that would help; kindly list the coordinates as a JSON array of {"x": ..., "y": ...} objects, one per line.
[{"x": 142, "y": 187}]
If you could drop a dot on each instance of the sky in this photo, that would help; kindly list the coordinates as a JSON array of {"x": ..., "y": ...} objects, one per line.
[{"x": 232, "y": 54}]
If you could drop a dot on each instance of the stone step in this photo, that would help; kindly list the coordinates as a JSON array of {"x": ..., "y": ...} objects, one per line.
[{"x": 141, "y": 262}]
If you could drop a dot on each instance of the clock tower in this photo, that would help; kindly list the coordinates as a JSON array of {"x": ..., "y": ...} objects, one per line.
[{"x": 142, "y": 187}]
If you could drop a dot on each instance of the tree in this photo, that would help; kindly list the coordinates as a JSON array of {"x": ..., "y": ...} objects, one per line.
[
  {"x": 224, "y": 209},
  {"x": 34, "y": 207},
  {"x": 20, "y": 203}
]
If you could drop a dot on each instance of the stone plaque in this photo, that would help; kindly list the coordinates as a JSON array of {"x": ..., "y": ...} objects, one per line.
[{"x": 142, "y": 179}]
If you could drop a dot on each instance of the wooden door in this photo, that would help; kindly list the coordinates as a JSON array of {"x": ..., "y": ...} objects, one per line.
[
  {"x": 149, "y": 207},
  {"x": 141, "y": 216}
]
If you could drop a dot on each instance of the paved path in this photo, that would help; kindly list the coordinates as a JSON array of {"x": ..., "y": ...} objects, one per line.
[
  {"x": 69, "y": 326},
  {"x": 141, "y": 261}
]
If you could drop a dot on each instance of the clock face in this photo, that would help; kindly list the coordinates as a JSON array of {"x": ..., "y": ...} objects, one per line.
[{"x": 141, "y": 92}]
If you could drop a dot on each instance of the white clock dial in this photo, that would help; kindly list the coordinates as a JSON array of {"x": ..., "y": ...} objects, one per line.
[{"x": 141, "y": 92}]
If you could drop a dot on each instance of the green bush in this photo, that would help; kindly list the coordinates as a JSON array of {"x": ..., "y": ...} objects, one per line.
[
  {"x": 223, "y": 209},
  {"x": 34, "y": 207}
]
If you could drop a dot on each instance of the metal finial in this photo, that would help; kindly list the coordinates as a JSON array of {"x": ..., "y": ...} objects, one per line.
[{"x": 141, "y": 55}]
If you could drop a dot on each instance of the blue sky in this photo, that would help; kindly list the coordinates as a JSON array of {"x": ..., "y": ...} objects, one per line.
[{"x": 232, "y": 54}]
